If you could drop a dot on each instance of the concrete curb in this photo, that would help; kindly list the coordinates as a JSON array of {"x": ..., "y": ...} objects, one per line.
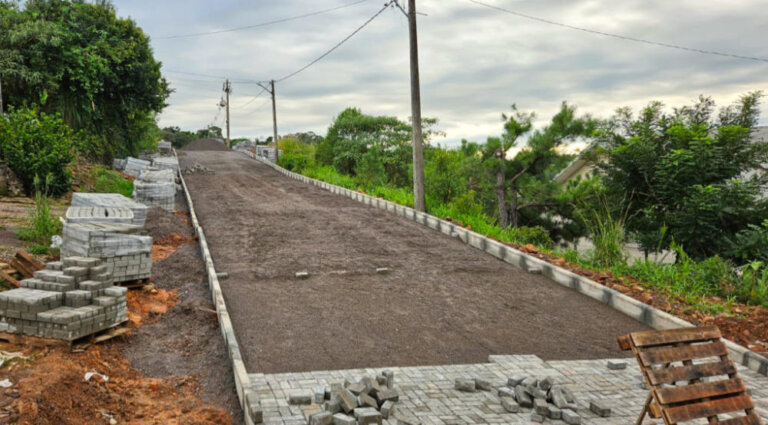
[
  {"x": 644, "y": 313},
  {"x": 248, "y": 401}
]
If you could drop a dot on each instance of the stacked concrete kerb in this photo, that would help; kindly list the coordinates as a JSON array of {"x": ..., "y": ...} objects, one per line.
[
  {"x": 119, "y": 164},
  {"x": 156, "y": 188},
  {"x": 126, "y": 254},
  {"x": 167, "y": 163},
  {"x": 111, "y": 200},
  {"x": 133, "y": 166},
  {"x": 164, "y": 146},
  {"x": 67, "y": 300},
  {"x": 99, "y": 215},
  {"x": 249, "y": 401},
  {"x": 644, "y": 313}
]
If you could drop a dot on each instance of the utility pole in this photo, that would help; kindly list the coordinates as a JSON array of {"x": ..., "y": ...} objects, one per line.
[
  {"x": 418, "y": 150},
  {"x": 274, "y": 120},
  {"x": 271, "y": 90},
  {"x": 227, "y": 89}
]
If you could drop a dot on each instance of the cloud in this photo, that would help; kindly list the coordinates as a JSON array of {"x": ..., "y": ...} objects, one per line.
[{"x": 475, "y": 62}]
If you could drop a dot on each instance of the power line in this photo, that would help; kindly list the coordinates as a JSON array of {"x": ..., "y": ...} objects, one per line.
[
  {"x": 217, "y": 77},
  {"x": 338, "y": 44},
  {"x": 252, "y": 100},
  {"x": 621, "y": 37},
  {"x": 263, "y": 24}
]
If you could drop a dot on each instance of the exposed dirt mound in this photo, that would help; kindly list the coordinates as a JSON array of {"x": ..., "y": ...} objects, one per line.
[
  {"x": 53, "y": 391},
  {"x": 205, "y": 145},
  {"x": 161, "y": 223}
]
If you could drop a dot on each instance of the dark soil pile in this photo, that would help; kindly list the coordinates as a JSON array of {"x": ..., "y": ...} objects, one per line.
[
  {"x": 161, "y": 223},
  {"x": 205, "y": 145}
]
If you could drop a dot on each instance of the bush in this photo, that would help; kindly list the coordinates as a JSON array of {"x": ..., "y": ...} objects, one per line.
[
  {"x": 296, "y": 155},
  {"x": 752, "y": 283},
  {"x": 750, "y": 243},
  {"x": 37, "y": 145},
  {"x": 606, "y": 231}
]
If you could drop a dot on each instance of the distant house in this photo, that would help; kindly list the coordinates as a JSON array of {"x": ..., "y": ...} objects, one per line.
[{"x": 581, "y": 166}]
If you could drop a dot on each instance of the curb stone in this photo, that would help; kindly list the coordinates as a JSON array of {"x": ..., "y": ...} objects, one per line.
[{"x": 631, "y": 307}]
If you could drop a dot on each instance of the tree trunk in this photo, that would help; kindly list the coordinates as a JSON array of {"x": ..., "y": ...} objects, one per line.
[
  {"x": 501, "y": 199},
  {"x": 513, "y": 210}
]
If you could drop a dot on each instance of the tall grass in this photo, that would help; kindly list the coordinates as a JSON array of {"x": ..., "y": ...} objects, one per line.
[
  {"x": 107, "y": 181},
  {"x": 607, "y": 232},
  {"x": 42, "y": 224}
]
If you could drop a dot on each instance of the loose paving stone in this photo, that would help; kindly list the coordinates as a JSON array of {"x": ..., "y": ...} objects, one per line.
[
  {"x": 516, "y": 380},
  {"x": 342, "y": 419},
  {"x": 390, "y": 375},
  {"x": 482, "y": 384},
  {"x": 522, "y": 397},
  {"x": 570, "y": 417},
  {"x": 546, "y": 384},
  {"x": 347, "y": 400},
  {"x": 537, "y": 418},
  {"x": 617, "y": 364},
  {"x": 367, "y": 415},
  {"x": 510, "y": 405},
  {"x": 600, "y": 408},
  {"x": 319, "y": 394},
  {"x": 365, "y": 400},
  {"x": 558, "y": 398},
  {"x": 555, "y": 412},
  {"x": 541, "y": 407},
  {"x": 382, "y": 380},
  {"x": 402, "y": 420},
  {"x": 302, "y": 275},
  {"x": 333, "y": 406},
  {"x": 387, "y": 409},
  {"x": 505, "y": 392},
  {"x": 299, "y": 397},
  {"x": 321, "y": 418},
  {"x": 382, "y": 270},
  {"x": 357, "y": 388},
  {"x": 387, "y": 394},
  {"x": 466, "y": 385}
]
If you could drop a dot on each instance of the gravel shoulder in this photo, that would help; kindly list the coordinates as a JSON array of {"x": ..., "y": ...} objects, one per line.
[{"x": 442, "y": 302}]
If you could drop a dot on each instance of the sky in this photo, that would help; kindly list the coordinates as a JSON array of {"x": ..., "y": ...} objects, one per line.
[{"x": 475, "y": 61}]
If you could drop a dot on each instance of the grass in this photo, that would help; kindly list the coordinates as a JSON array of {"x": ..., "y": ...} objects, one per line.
[
  {"x": 42, "y": 224},
  {"x": 694, "y": 282},
  {"x": 107, "y": 181}
]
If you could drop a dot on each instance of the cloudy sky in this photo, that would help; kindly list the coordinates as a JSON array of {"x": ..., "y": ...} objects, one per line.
[{"x": 475, "y": 61}]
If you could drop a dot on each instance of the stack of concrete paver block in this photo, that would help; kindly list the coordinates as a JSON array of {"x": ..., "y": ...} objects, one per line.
[
  {"x": 126, "y": 254},
  {"x": 164, "y": 146},
  {"x": 357, "y": 402},
  {"x": 111, "y": 200},
  {"x": 99, "y": 215},
  {"x": 167, "y": 163},
  {"x": 133, "y": 166},
  {"x": 67, "y": 300},
  {"x": 543, "y": 397},
  {"x": 267, "y": 152},
  {"x": 156, "y": 188},
  {"x": 119, "y": 164}
]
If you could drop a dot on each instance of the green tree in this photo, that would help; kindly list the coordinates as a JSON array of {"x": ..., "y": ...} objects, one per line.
[
  {"x": 686, "y": 172},
  {"x": 82, "y": 61},
  {"x": 178, "y": 137}
]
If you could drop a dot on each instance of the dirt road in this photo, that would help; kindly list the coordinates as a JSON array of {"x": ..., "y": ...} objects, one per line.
[{"x": 443, "y": 302}]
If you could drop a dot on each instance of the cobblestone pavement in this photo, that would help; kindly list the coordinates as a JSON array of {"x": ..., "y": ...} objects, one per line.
[{"x": 427, "y": 392}]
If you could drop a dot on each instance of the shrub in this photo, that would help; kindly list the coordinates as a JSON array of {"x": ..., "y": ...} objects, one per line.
[
  {"x": 750, "y": 243},
  {"x": 296, "y": 155},
  {"x": 752, "y": 283},
  {"x": 606, "y": 230},
  {"x": 37, "y": 145}
]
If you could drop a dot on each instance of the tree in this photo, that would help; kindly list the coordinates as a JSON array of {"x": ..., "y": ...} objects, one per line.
[
  {"x": 82, "y": 61},
  {"x": 210, "y": 132},
  {"x": 178, "y": 137},
  {"x": 684, "y": 176},
  {"x": 525, "y": 192}
]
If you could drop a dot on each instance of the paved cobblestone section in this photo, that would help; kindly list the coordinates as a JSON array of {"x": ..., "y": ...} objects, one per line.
[{"x": 428, "y": 393}]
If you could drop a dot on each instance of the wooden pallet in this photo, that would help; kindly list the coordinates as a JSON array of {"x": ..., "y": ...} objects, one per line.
[
  {"x": 135, "y": 284},
  {"x": 76, "y": 345},
  {"x": 26, "y": 264},
  {"x": 682, "y": 390}
]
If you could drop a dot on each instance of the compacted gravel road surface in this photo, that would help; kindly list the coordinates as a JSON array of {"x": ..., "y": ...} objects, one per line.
[{"x": 442, "y": 302}]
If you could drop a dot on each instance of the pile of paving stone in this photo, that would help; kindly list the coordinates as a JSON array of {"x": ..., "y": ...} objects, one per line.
[
  {"x": 67, "y": 300},
  {"x": 99, "y": 215},
  {"x": 164, "y": 146},
  {"x": 166, "y": 163},
  {"x": 356, "y": 402},
  {"x": 112, "y": 200},
  {"x": 126, "y": 254},
  {"x": 133, "y": 166},
  {"x": 156, "y": 187},
  {"x": 543, "y": 397},
  {"x": 197, "y": 168}
]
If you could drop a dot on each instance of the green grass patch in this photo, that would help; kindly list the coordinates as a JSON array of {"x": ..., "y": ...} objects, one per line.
[{"x": 108, "y": 181}]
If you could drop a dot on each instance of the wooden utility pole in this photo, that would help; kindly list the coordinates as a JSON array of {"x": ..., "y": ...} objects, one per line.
[
  {"x": 274, "y": 120},
  {"x": 227, "y": 89},
  {"x": 418, "y": 150}
]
